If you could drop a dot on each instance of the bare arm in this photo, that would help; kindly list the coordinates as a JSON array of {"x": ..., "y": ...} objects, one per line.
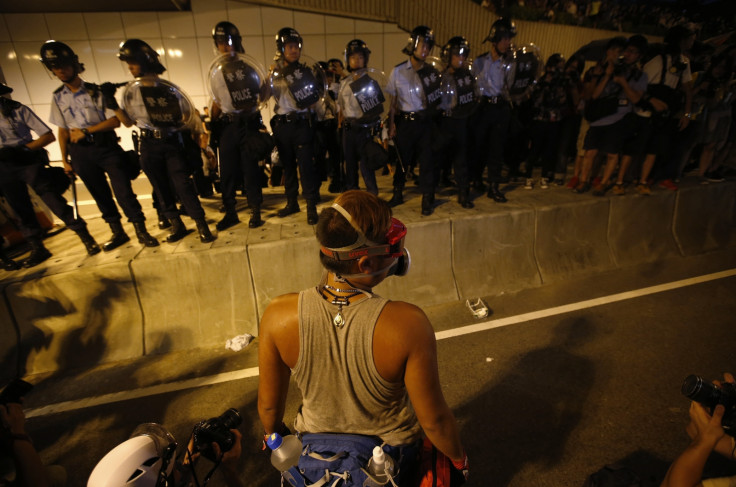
[
  {"x": 421, "y": 378},
  {"x": 30, "y": 469},
  {"x": 274, "y": 373},
  {"x": 63, "y": 145},
  {"x": 41, "y": 142},
  {"x": 687, "y": 469},
  {"x": 123, "y": 117}
]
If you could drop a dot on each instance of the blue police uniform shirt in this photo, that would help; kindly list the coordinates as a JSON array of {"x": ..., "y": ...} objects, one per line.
[
  {"x": 405, "y": 85},
  {"x": 78, "y": 110},
  {"x": 490, "y": 75},
  {"x": 16, "y": 130}
]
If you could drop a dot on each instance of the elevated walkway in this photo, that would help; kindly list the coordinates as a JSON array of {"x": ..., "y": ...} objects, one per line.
[{"x": 75, "y": 310}]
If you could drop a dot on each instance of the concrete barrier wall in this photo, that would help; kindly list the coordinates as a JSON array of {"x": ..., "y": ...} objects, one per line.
[
  {"x": 494, "y": 253},
  {"x": 77, "y": 318},
  {"x": 85, "y": 310}
]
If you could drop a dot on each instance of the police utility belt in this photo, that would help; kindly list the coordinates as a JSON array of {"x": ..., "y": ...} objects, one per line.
[
  {"x": 99, "y": 139},
  {"x": 232, "y": 117},
  {"x": 354, "y": 124},
  {"x": 420, "y": 115},
  {"x": 292, "y": 117},
  {"x": 492, "y": 100},
  {"x": 163, "y": 135}
]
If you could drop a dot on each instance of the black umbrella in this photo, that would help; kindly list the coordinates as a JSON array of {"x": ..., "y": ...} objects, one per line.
[{"x": 595, "y": 50}]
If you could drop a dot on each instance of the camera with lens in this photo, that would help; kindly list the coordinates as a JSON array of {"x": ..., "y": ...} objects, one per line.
[
  {"x": 619, "y": 69},
  {"x": 711, "y": 395},
  {"x": 216, "y": 430}
]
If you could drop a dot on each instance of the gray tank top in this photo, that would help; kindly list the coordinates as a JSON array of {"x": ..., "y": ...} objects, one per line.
[{"x": 341, "y": 389}]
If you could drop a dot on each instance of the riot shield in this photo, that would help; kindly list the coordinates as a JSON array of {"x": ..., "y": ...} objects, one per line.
[
  {"x": 363, "y": 95},
  {"x": 304, "y": 82},
  {"x": 156, "y": 104},
  {"x": 238, "y": 83}
]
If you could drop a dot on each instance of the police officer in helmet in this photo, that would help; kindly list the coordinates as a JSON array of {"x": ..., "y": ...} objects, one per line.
[
  {"x": 293, "y": 124},
  {"x": 490, "y": 126},
  {"x": 163, "y": 147},
  {"x": 22, "y": 164},
  {"x": 410, "y": 118},
  {"x": 87, "y": 137},
  {"x": 237, "y": 124}
]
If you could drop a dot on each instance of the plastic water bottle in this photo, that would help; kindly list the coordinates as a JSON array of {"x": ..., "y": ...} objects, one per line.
[
  {"x": 285, "y": 452},
  {"x": 381, "y": 466}
]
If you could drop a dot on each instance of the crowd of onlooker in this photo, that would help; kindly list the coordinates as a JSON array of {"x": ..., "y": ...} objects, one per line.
[{"x": 646, "y": 17}]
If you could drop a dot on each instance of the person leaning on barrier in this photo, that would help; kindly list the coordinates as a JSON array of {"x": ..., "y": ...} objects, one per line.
[
  {"x": 22, "y": 163},
  {"x": 707, "y": 436},
  {"x": 164, "y": 152},
  {"x": 87, "y": 137},
  {"x": 364, "y": 365},
  {"x": 237, "y": 126}
]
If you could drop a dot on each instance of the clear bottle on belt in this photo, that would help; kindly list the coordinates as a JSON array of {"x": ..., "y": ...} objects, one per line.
[{"x": 285, "y": 451}]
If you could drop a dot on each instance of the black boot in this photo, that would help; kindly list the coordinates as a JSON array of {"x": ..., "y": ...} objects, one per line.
[
  {"x": 119, "y": 237},
  {"x": 8, "y": 263},
  {"x": 291, "y": 207},
  {"x": 143, "y": 236},
  {"x": 463, "y": 197},
  {"x": 397, "y": 198},
  {"x": 88, "y": 241},
  {"x": 495, "y": 194},
  {"x": 230, "y": 219},
  {"x": 163, "y": 223},
  {"x": 312, "y": 216},
  {"x": 178, "y": 230},
  {"x": 39, "y": 253},
  {"x": 255, "y": 217},
  {"x": 205, "y": 236},
  {"x": 427, "y": 201}
]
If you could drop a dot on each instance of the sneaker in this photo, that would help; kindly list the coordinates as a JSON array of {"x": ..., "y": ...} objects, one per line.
[
  {"x": 667, "y": 184},
  {"x": 714, "y": 177},
  {"x": 618, "y": 189},
  {"x": 529, "y": 184},
  {"x": 643, "y": 189},
  {"x": 543, "y": 183},
  {"x": 703, "y": 180},
  {"x": 558, "y": 182},
  {"x": 573, "y": 183},
  {"x": 599, "y": 189}
]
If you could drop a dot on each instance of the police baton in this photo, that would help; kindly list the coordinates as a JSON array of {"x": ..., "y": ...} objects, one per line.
[{"x": 75, "y": 205}]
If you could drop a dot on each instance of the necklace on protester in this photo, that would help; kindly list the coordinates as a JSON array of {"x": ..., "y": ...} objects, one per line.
[{"x": 327, "y": 292}]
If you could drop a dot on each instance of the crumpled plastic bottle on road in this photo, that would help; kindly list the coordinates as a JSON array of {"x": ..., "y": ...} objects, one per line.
[{"x": 239, "y": 342}]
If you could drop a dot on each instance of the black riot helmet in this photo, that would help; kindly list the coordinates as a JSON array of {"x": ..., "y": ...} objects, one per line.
[
  {"x": 227, "y": 33},
  {"x": 420, "y": 32},
  {"x": 457, "y": 45},
  {"x": 501, "y": 28},
  {"x": 285, "y": 36},
  {"x": 137, "y": 51},
  {"x": 55, "y": 54},
  {"x": 5, "y": 89},
  {"x": 356, "y": 46}
]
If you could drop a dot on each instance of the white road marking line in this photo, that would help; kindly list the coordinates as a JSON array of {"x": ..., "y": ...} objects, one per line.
[
  {"x": 590, "y": 303},
  {"x": 442, "y": 335}
]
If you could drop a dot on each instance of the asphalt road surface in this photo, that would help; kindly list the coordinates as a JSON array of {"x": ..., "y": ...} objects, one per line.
[{"x": 554, "y": 384}]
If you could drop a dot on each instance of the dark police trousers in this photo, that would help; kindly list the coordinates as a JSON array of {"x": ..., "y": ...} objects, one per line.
[
  {"x": 490, "y": 127},
  {"x": 295, "y": 143},
  {"x": 237, "y": 163},
  {"x": 354, "y": 137},
  {"x": 13, "y": 180},
  {"x": 414, "y": 139},
  {"x": 456, "y": 131},
  {"x": 91, "y": 162},
  {"x": 165, "y": 163}
]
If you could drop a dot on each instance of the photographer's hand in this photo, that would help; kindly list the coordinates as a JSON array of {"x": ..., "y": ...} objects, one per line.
[
  {"x": 725, "y": 445},
  {"x": 28, "y": 465},
  {"x": 230, "y": 459}
]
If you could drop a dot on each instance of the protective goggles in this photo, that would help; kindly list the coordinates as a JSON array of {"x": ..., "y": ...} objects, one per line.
[{"x": 394, "y": 246}]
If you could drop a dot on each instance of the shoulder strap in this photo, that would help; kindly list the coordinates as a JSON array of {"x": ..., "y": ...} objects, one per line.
[{"x": 57, "y": 90}]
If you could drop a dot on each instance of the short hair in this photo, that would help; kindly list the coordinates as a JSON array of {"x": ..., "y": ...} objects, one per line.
[
  {"x": 618, "y": 41},
  {"x": 369, "y": 213},
  {"x": 335, "y": 60}
]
